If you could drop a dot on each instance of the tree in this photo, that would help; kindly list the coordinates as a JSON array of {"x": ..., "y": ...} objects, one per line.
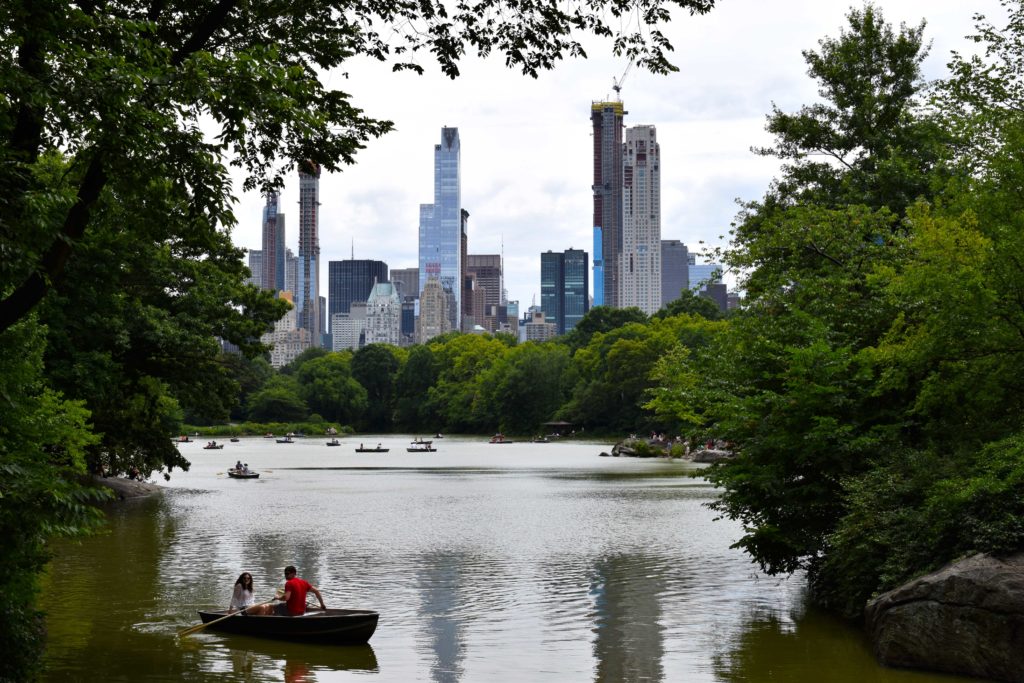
[
  {"x": 43, "y": 439},
  {"x": 526, "y": 387},
  {"x": 327, "y": 386},
  {"x": 794, "y": 380},
  {"x": 601, "y": 319},
  {"x": 692, "y": 304},
  {"x": 412, "y": 385},
  {"x": 278, "y": 401},
  {"x": 375, "y": 367}
]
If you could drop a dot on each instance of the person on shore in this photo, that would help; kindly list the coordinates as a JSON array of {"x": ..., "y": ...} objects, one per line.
[{"x": 293, "y": 601}]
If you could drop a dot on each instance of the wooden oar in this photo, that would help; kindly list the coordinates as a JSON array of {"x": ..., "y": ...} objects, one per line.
[{"x": 195, "y": 629}]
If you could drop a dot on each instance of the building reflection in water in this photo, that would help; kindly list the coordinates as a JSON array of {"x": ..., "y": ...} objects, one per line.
[
  {"x": 628, "y": 635},
  {"x": 439, "y": 577}
]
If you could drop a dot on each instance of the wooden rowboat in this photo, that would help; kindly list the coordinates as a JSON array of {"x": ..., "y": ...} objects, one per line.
[
  {"x": 236, "y": 474},
  {"x": 372, "y": 450},
  {"x": 331, "y": 627}
]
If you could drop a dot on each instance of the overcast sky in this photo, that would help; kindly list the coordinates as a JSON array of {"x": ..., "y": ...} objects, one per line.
[{"x": 527, "y": 149}]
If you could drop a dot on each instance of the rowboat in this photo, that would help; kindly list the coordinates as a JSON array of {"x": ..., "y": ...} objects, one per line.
[
  {"x": 334, "y": 442},
  {"x": 286, "y": 439},
  {"x": 378, "y": 449},
  {"x": 332, "y": 626},
  {"x": 213, "y": 446},
  {"x": 238, "y": 474}
]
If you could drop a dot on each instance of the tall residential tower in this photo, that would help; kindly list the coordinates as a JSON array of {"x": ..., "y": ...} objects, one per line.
[
  {"x": 307, "y": 298},
  {"x": 640, "y": 259},
  {"x": 272, "y": 274},
  {"x": 606, "y": 118}
]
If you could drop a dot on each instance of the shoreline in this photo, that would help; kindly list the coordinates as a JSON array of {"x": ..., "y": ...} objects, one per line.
[{"x": 124, "y": 488}]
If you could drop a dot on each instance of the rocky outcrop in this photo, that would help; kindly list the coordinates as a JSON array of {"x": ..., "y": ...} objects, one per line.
[
  {"x": 966, "y": 618},
  {"x": 126, "y": 488},
  {"x": 710, "y": 455}
]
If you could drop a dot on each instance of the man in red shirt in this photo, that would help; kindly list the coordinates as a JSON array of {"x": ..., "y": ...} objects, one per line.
[{"x": 293, "y": 601}]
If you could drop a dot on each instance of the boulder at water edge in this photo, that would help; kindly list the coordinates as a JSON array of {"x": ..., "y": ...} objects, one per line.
[{"x": 966, "y": 618}]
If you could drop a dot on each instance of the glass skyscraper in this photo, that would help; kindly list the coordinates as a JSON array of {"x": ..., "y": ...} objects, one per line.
[
  {"x": 352, "y": 280},
  {"x": 564, "y": 288},
  {"x": 441, "y": 225}
]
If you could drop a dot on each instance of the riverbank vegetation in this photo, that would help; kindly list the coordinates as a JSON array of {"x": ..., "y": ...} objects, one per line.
[{"x": 869, "y": 381}]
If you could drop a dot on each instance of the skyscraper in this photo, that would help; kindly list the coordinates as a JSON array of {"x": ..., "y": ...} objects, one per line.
[
  {"x": 675, "y": 272},
  {"x": 441, "y": 225},
  {"x": 255, "y": 268},
  {"x": 307, "y": 298},
  {"x": 606, "y": 118},
  {"x": 434, "y": 319},
  {"x": 407, "y": 281},
  {"x": 564, "y": 288},
  {"x": 352, "y": 280},
  {"x": 640, "y": 259},
  {"x": 272, "y": 277},
  {"x": 485, "y": 271}
]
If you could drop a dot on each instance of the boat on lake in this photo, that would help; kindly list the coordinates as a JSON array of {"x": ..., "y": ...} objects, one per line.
[
  {"x": 286, "y": 439},
  {"x": 421, "y": 446},
  {"x": 234, "y": 439},
  {"x": 213, "y": 446},
  {"x": 499, "y": 438},
  {"x": 243, "y": 474},
  {"x": 329, "y": 627},
  {"x": 333, "y": 442},
  {"x": 378, "y": 449},
  {"x": 183, "y": 439}
]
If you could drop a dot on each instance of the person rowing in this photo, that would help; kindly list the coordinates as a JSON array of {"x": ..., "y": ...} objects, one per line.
[{"x": 293, "y": 600}]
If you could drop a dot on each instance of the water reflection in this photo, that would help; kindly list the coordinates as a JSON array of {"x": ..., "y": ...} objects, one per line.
[{"x": 628, "y": 636}]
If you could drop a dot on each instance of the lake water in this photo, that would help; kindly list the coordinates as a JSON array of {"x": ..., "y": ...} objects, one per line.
[{"x": 514, "y": 562}]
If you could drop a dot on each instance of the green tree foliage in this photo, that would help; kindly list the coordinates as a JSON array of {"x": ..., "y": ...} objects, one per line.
[
  {"x": 278, "y": 401},
  {"x": 375, "y": 367},
  {"x": 417, "y": 375},
  {"x": 691, "y": 304},
  {"x": 43, "y": 440},
  {"x": 526, "y": 387},
  {"x": 793, "y": 380},
  {"x": 327, "y": 386},
  {"x": 463, "y": 362},
  {"x": 615, "y": 373},
  {"x": 601, "y": 319}
]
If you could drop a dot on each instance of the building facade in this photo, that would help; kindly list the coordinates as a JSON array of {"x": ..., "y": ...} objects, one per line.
[
  {"x": 564, "y": 288},
  {"x": 352, "y": 280},
  {"x": 272, "y": 277},
  {"x": 441, "y": 225},
  {"x": 307, "y": 296},
  {"x": 640, "y": 259},
  {"x": 703, "y": 274},
  {"x": 488, "y": 288},
  {"x": 287, "y": 340},
  {"x": 348, "y": 329},
  {"x": 606, "y": 119},
  {"x": 538, "y": 329},
  {"x": 255, "y": 268},
  {"x": 383, "y": 315},
  {"x": 675, "y": 270},
  {"x": 433, "y": 318},
  {"x": 407, "y": 282}
]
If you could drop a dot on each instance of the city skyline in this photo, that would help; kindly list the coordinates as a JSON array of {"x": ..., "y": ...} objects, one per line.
[{"x": 527, "y": 147}]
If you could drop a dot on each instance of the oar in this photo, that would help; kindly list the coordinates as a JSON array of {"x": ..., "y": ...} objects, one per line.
[{"x": 194, "y": 629}]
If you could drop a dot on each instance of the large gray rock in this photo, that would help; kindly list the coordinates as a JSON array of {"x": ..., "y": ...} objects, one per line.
[{"x": 967, "y": 618}]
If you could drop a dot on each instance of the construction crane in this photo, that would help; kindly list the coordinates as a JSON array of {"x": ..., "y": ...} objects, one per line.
[{"x": 617, "y": 84}]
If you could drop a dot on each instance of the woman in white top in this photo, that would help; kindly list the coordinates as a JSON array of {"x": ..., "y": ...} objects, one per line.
[{"x": 242, "y": 595}]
